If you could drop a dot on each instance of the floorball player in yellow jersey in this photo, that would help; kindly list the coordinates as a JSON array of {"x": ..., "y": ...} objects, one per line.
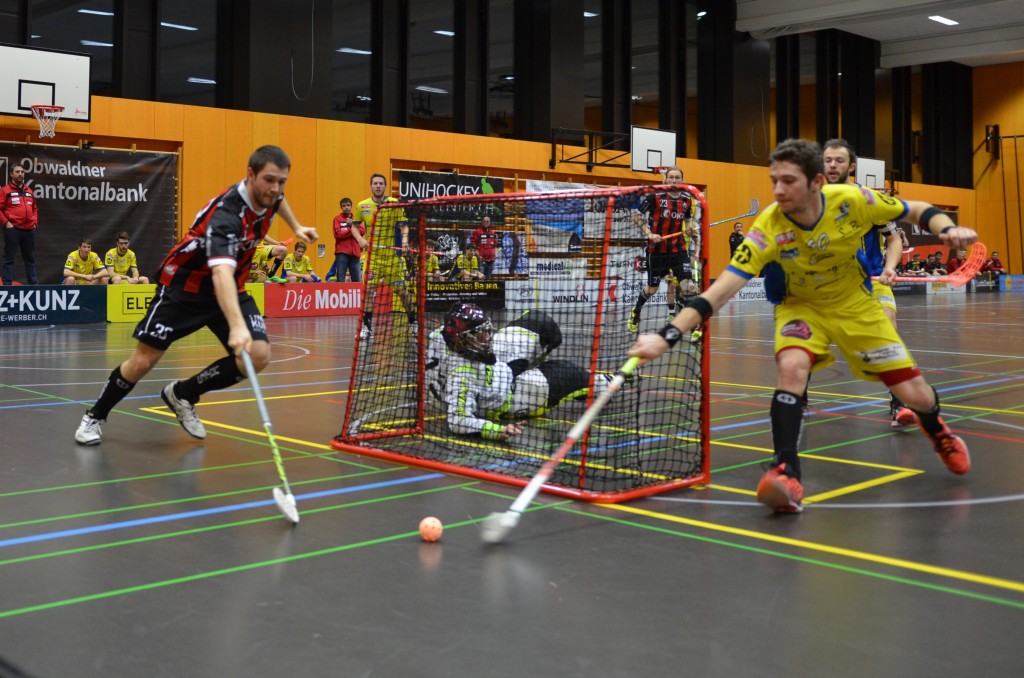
[
  {"x": 813, "y": 231},
  {"x": 385, "y": 260}
]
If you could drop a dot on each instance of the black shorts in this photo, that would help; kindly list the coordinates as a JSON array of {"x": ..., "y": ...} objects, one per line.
[
  {"x": 174, "y": 314},
  {"x": 659, "y": 265}
]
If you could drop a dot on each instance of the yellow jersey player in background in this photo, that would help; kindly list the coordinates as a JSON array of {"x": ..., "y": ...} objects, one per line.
[
  {"x": 298, "y": 267},
  {"x": 814, "y": 232},
  {"x": 883, "y": 249},
  {"x": 385, "y": 260},
  {"x": 121, "y": 264},
  {"x": 83, "y": 266}
]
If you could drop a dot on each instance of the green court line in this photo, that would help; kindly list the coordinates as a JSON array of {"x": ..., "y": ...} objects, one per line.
[
  {"x": 221, "y": 572},
  {"x": 166, "y": 474},
  {"x": 223, "y": 526},
  {"x": 184, "y": 500}
]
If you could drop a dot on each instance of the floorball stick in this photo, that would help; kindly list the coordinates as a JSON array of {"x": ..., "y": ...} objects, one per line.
[
  {"x": 499, "y": 524},
  {"x": 754, "y": 207},
  {"x": 283, "y": 497},
  {"x": 957, "y": 278}
]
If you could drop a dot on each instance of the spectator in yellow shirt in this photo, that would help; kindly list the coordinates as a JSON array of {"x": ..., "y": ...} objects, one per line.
[
  {"x": 121, "y": 264},
  {"x": 467, "y": 266},
  {"x": 298, "y": 267},
  {"x": 83, "y": 266}
]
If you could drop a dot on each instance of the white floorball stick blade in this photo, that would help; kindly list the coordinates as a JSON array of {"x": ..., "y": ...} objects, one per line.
[
  {"x": 286, "y": 504},
  {"x": 497, "y": 525}
]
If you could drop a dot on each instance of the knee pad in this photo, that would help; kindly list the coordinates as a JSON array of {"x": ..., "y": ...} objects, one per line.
[{"x": 529, "y": 394}]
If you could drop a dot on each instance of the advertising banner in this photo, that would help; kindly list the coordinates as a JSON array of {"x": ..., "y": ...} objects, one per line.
[
  {"x": 1011, "y": 283},
  {"x": 423, "y": 185},
  {"x": 752, "y": 291},
  {"x": 52, "y": 304},
  {"x": 984, "y": 282},
  {"x": 487, "y": 294},
  {"x": 299, "y": 300},
  {"x": 128, "y": 303},
  {"x": 90, "y": 194}
]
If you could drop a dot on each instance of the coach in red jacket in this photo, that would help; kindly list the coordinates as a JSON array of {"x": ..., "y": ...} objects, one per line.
[
  {"x": 19, "y": 215},
  {"x": 486, "y": 241}
]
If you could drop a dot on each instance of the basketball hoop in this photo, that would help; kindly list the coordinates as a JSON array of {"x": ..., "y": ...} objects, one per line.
[{"x": 47, "y": 116}]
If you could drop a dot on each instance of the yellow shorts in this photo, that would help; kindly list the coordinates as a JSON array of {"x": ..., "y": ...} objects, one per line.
[
  {"x": 857, "y": 326},
  {"x": 387, "y": 267},
  {"x": 884, "y": 295}
]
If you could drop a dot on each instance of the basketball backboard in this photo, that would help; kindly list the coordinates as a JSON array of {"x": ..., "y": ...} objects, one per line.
[
  {"x": 44, "y": 76},
  {"x": 871, "y": 173},
  {"x": 651, "y": 148}
]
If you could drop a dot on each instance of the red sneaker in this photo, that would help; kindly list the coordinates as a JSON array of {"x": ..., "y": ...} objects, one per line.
[
  {"x": 903, "y": 417},
  {"x": 780, "y": 492},
  {"x": 952, "y": 450}
]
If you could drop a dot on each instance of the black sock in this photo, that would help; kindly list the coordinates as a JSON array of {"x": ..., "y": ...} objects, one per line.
[
  {"x": 930, "y": 420},
  {"x": 641, "y": 299},
  {"x": 894, "y": 402},
  {"x": 787, "y": 425},
  {"x": 277, "y": 265},
  {"x": 368, "y": 320},
  {"x": 114, "y": 391},
  {"x": 220, "y": 374}
]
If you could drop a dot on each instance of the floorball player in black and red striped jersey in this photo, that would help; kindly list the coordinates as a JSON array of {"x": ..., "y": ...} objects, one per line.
[
  {"x": 660, "y": 215},
  {"x": 201, "y": 283}
]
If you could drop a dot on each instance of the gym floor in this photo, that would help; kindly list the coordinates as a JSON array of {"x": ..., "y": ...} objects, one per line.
[{"x": 154, "y": 554}]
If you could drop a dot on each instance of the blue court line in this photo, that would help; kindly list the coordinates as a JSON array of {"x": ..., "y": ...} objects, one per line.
[
  {"x": 52, "y": 403},
  {"x": 206, "y": 512}
]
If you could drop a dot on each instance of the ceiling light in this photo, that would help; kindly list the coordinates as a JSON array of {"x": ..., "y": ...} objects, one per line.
[
  {"x": 447, "y": 33},
  {"x": 944, "y": 20},
  {"x": 93, "y": 43},
  {"x": 180, "y": 27},
  {"x": 353, "y": 50},
  {"x": 589, "y": 15},
  {"x": 700, "y": 14},
  {"x": 95, "y": 11},
  {"x": 363, "y": 97},
  {"x": 432, "y": 90},
  {"x": 202, "y": 81}
]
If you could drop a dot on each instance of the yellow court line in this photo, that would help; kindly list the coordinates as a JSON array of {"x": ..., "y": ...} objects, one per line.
[
  {"x": 856, "y": 462},
  {"x": 994, "y": 582},
  {"x": 850, "y": 489},
  {"x": 741, "y": 446},
  {"x": 276, "y": 397},
  {"x": 238, "y": 429}
]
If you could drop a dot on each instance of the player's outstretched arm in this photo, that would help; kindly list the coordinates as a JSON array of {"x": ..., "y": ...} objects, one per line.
[
  {"x": 306, "y": 234},
  {"x": 939, "y": 224},
  {"x": 650, "y": 346}
]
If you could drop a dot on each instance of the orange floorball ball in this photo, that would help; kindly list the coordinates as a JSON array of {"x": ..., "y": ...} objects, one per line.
[{"x": 431, "y": 529}]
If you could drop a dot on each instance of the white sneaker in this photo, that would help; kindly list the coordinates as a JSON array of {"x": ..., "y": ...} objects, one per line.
[
  {"x": 366, "y": 333},
  {"x": 185, "y": 411},
  {"x": 90, "y": 431}
]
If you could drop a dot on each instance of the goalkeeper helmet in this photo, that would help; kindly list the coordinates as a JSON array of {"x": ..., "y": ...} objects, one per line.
[{"x": 467, "y": 331}]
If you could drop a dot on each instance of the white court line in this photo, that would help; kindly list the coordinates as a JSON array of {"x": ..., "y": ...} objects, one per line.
[{"x": 999, "y": 423}]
